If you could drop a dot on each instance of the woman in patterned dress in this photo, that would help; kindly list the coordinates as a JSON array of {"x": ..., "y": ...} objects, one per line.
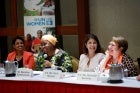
[
  {"x": 116, "y": 54},
  {"x": 55, "y": 56}
]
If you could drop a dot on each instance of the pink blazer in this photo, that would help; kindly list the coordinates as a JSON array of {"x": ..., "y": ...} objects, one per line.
[{"x": 28, "y": 58}]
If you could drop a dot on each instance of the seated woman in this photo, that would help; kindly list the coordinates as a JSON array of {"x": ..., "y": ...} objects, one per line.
[
  {"x": 116, "y": 55},
  {"x": 24, "y": 58},
  {"x": 55, "y": 56},
  {"x": 138, "y": 77},
  {"x": 90, "y": 60}
]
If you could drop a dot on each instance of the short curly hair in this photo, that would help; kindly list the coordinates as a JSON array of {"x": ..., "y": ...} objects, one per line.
[{"x": 121, "y": 41}]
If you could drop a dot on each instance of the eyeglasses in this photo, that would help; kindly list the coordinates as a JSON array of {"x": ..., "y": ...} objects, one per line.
[{"x": 44, "y": 44}]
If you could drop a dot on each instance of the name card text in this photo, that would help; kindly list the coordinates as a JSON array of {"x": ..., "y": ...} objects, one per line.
[
  {"x": 24, "y": 72},
  {"x": 52, "y": 74},
  {"x": 91, "y": 76}
]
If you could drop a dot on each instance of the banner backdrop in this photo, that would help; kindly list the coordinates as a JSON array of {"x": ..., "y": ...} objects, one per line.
[{"x": 39, "y": 15}]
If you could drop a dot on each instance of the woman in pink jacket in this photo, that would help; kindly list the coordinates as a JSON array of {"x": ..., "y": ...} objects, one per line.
[{"x": 24, "y": 58}]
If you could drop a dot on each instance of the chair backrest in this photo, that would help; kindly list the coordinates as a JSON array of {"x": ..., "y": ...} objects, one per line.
[
  {"x": 137, "y": 66},
  {"x": 75, "y": 63}
]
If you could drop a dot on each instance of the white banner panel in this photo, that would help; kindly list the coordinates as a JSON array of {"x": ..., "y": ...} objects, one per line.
[
  {"x": 39, "y": 15},
  {"x": 35, "y": 23}
]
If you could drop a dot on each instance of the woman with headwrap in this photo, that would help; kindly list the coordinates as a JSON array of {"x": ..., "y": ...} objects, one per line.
[{"x": 55, "y": 57}]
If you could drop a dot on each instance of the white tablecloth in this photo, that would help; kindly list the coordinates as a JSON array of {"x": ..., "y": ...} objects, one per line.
[{"x": 71, "y": 78}]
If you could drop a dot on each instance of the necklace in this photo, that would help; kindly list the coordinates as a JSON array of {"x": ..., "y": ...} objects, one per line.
[{"x": 18, "y": 57}]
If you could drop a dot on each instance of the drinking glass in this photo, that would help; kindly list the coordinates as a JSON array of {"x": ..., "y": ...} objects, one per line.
[
  {"x": 1, "y": 65},
  {"x": 125, "y": 72},
  {"x": 2, "y": 70},
  {"x": 98, "y": 71}
]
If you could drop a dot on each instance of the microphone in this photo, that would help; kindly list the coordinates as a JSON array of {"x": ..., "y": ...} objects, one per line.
[{"x": 45, "y": 55}]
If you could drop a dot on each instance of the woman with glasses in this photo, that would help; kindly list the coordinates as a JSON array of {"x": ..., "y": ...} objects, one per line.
[{"x": 116, "y": 54}]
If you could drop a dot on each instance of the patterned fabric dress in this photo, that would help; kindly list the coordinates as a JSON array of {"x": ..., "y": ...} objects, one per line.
[
  {"x": 63, "y": 60},
  {"x": 60, "y": 59},
  {"x": 129, "y": 64}
]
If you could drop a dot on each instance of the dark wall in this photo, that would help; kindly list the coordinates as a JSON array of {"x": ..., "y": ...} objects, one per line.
[
  {"x": 58, "y": 21},
  {"x": 2, "y": 14},
  {"x": 3, "y": 39},
  {"x": 3, "y": 48}
]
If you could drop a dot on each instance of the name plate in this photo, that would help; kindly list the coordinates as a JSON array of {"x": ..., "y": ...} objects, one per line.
[
  {"x": 52, "y": 74},
  {"x": 24, "y": 72},
  {"x": 2, "y": 72},
  {"x": 91, "y": 76}
]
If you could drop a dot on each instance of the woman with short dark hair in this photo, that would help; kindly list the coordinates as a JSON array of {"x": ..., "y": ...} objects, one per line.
[{"x": 24, "y": 58}]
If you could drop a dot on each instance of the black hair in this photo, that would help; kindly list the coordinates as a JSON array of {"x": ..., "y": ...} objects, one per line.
[
  {"x": 18, "y": 37},
  {"x": 88, "y": 36}
]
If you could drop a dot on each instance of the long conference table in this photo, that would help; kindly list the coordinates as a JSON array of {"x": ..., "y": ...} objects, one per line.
[{"x": 68, "y": 84}]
